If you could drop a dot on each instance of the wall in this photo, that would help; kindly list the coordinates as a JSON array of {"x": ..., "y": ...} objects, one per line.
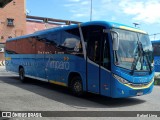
[
  {"x": 33, "y": 26},
  {"x": 14, "y": 10}
]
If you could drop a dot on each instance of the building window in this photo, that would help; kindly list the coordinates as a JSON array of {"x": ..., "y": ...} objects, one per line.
[
  {"x": 9, "y": 37},
  {"x": 10, "y": 22},
  {"x": 2, "y": 37}
]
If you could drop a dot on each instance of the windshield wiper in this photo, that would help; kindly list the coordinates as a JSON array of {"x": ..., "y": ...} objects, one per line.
[
  {"x": 146, "y": 53},
  {"x": 139, "y": 51}
]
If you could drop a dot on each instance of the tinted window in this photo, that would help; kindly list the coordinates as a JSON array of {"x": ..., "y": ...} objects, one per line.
[
  {"x": 40, "y": 44},
  {"x": 156, "y": 49},
  {"x": 11, "y": 47},
  {"x": 71, "y": 41},
  {"x": 22, "y": 46},
  {"x": 93, "y": 37}
]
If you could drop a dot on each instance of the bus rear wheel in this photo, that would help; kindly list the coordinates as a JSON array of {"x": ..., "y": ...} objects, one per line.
[
  {"x": 76, "y": 86},
  {"x": 21, "y": 74}
]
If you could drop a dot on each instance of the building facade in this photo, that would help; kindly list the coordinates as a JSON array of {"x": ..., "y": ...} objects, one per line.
[
  {"x": 36, "y": 23},
  {"x": 12, "y": 22}
]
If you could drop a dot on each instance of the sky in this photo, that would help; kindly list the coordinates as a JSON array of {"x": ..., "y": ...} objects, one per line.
[{"x": 144, "y": 12}]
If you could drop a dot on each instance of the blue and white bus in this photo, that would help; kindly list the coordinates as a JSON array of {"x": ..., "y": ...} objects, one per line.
[
  {"x": 156, "y": 53},
  {"x": 100, "y": 57}
]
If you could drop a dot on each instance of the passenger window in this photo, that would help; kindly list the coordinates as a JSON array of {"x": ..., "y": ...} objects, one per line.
[
  {"x": 11, "y": 47},
  {"x": 71, "y": 41}
]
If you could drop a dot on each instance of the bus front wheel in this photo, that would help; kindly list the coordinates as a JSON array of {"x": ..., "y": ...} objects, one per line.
[
  {"x": 76, "y": 86},
  {"x": 21, "y": 74}
]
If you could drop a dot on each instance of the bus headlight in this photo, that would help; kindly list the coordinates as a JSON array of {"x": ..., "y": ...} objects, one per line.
[{"x": 120, "y": 79}]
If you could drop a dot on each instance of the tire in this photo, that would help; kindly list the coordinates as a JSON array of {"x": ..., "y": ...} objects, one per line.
[
  {"x": 21, "y": 75},
  {"x": 76, "y": 86}
]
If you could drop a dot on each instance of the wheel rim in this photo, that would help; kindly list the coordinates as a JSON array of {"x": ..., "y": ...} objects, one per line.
[{"x": 77, "y": 86}]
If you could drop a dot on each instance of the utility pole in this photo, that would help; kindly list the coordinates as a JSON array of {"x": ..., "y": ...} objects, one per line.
[
  {"x": 91, "y": 11},
  {"x": 154, "y": 35}
]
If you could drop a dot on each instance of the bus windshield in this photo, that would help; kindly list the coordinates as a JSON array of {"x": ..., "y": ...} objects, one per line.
[{"x": 134, "y": 52}]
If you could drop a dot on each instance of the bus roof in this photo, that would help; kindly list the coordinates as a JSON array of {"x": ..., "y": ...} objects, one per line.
[
  {"x": 109, "y": 25},
  {"x": 156, "y": 41}
]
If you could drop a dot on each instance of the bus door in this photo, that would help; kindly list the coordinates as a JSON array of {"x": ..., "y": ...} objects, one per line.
[
  {"x": 105, "y": 66},
  {"x": 93, "y": 67},
  {"x": 98, "y": 63}
]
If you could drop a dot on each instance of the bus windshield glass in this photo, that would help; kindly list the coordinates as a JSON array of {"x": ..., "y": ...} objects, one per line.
[{"x": 134, "y": 51}]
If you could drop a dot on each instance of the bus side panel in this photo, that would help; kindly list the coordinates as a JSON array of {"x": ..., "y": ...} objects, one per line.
[
  {"x": 157, "y": 66},
  {"x": 65, "y": 67},
  {"x": 31, "y": 67},
  {"x": 40, "y": 65},
  {"x": 53, "y": 65},
  {"x": 59, "y": 66},
  {"x": 77, "y": 65},
  {"x": 105, "y": 82},
  {"x": 27, "y": 61},
  {"x": 93, "y": 77},
  {"x": 11, "y": 63},
  {"x": 157, "y": 63}
]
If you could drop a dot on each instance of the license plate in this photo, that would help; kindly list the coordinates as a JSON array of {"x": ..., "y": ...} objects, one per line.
[{"x": 139, "y": 93}]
